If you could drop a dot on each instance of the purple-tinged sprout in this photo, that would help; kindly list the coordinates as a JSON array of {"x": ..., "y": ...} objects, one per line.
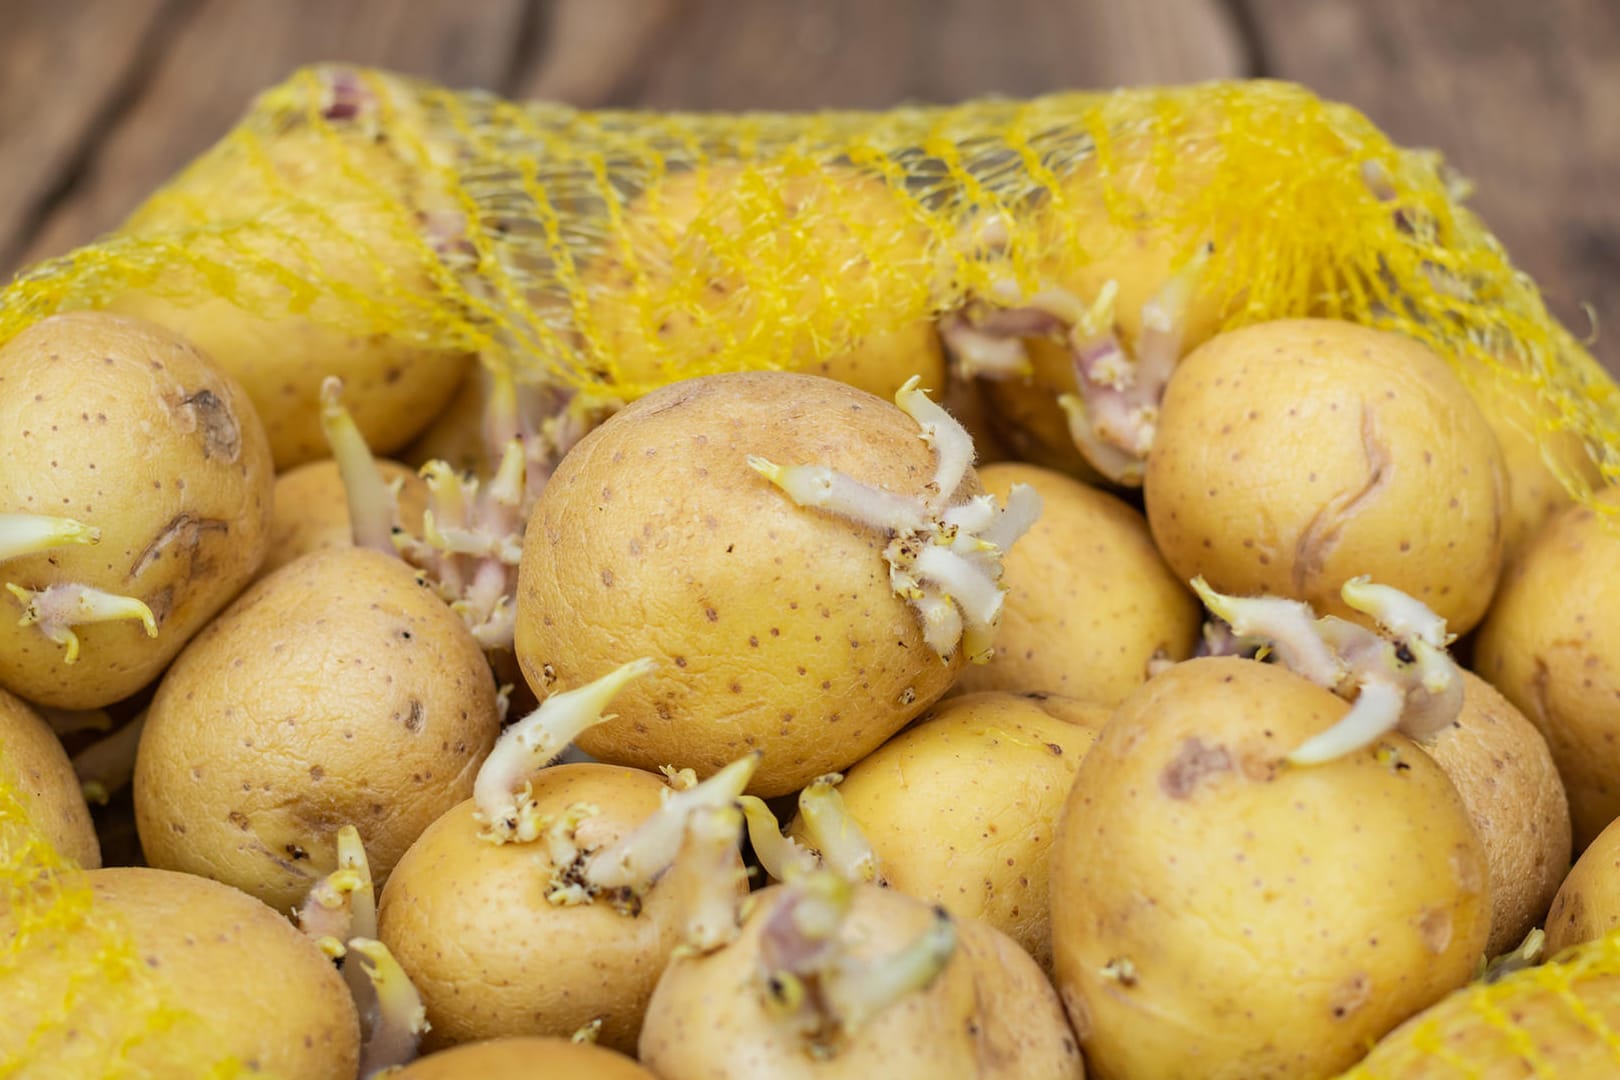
[
  {"x": 858, "y": 991},
  {"x": 398, "y": 1019},
  {"x": 636, "y": 860},
  {"x": 106, "y": 766},
  {"x": 373, "y": 503},
  {"x": 1164, "y": 325},
  {"x": 57, "y": 609},
  {"x": 1287, "y": 626},
  {"x": 705, "y": 879},
  {"x": 781, "y": 857},
  {"x": 505, "y": 806},
  {"x": 328, "y": 912},
  {"x": 980, "y": 347},
  {"x": 26, "y": 534},
  {"x": 836, "y": 836}
]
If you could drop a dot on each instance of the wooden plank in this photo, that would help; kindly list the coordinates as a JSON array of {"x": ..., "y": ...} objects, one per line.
[
  {"x": 228, "y": 51},
  {"x": 786, "y": 54},
  {"x": 63, "y": 67},
  {"x": 1522, "y": 98}
]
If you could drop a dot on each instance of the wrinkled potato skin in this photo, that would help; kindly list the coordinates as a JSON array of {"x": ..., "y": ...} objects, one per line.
[
  {"x": 1275, "y": 919},
  {"x": 34, "y": 765},
  {"x": 1089, "y": 600},
  {"x": 990, "y": 1015},
  {"x": 1294, "y": 455},
  {"x": 523, "y": 1059},
  {"x": 391, "y": 386},
  {"x": 244, "y": 984},
  {"x": 1552, "y": 647},
  {"x": 774, "y": 626},
  {"x": 311, "y": 509},
  {"x": 128, "y": 428},
  {"x": 983, "y": 777},
  {"x": 336, "y": 691},
  {"x": 1500, "y": 765},
  {"x": 1587, "y": 905},
  {"x": 469, "y": 922},
  {"x": 670, "y": 223}
]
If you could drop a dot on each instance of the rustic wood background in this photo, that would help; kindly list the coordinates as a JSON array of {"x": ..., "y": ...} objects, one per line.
[{"x": 100, "y": 100}]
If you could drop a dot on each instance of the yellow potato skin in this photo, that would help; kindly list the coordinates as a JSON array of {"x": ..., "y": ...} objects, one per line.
[
  {"x": 311, "y": 509},
  {"x": 241, "y": 981},
  {"x": 1587, "y": 905},
  {"x": 989, "y": 1015},
  {"x": 983, "y": 777},
  {"x": 469, "y": 922},
  {"x": 774, "y": 626},
  {"x": 126, "y": 427},
  {"x": 523, "y": 1058},
  {"x": 392, "y": 384},
  {"x": 1216, "y": 914},
  {"x": 1551, "y": 646},
  {"x": 1089, "y": 599},
  {"x": 35, "y": 767},
  {"x": 337, "y": 691},
  {"x": 1294, "y": 455},
  {"x": 670, "y": 228},
  {"x": 1500, "y": 765}
]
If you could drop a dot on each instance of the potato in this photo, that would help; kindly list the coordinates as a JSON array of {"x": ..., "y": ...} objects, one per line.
[
  {"x": 689, "y": 238},
  {"x": 959, "y": 806},
  {"x": 523, "y": 1059},
  {"x": 345, "y": 212},
  {"x": 35, "y": 769},
  {"x": 1090, "y": 603},
  {"x": 131, "y": 430},
  {"x": 775, "y": 625},
  {"x": 1294, "y": 455},
  {"x": 337, "y": 691},
  {"x": 1500, "y": 765},
  {"x": 312, "y": 509},
  {"x": 1551, "y": 646},
  {"x": 470, "y": 922},
  {"x": 1587, "y": 904},
  {"x": 1217, "y": 913},
  {"x": 988, "y": 1014},
  {"x": 171, "y": 975}
]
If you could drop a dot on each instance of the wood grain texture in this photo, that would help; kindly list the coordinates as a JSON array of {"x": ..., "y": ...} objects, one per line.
[{"x": 1524, "y": 99}]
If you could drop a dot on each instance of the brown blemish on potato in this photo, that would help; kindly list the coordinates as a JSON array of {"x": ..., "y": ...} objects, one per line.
[
  {"x": 1193, "y": 762},
  {"x": 1434, "y": 927},
  {"x": 1351, "y": 995},
  {"x": 1323, "y": 532},
  {"x": 212, "y": 420},
  {"x": 185, "y": 529},
  {"x": 414, "y": 714}
]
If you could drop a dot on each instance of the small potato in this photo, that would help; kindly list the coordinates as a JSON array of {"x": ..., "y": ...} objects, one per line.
[
  {"x": 1552, "y": 647},
  {"x": 989, "y": 1014},
  {"x": 1217, "y": 913},
  {"x": 471, "y": 924},
  {"x": 983, "y": 778},
  {"x": 689, "y": 238},
  {"x": 1294, "y": 455},
  {"x": 1090, "y": 603},
  {"x": 206, "y": 977},
  {"x": 775, "y": 625},
  {"x": 35, "y": 767},
  {"x": 337, "y": 691},
  {"x": 129, "y": 429},
  {"x": 1500, "y": 765},
  {"x": 1587, "y": 905},
  {"x": 312, "y": 509},
  {"x": 524, "y": 1059}
]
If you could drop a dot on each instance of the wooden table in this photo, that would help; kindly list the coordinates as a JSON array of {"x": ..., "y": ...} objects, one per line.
[{"x": 100, "y": 100}]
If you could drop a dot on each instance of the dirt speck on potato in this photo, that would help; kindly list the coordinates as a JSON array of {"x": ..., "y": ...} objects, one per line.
[
  {"x": 1352, "y": 994},
  {"x": 1193, "y": 762}
]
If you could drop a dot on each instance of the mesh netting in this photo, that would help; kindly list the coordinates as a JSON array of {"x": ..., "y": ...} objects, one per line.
[{"x": 614, "y": 252}]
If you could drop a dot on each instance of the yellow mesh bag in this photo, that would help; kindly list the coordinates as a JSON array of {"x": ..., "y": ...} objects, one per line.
[{"x": 608, "y": 253}]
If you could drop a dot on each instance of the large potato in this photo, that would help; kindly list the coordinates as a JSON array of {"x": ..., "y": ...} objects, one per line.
[
  {"x": 337, "y": 691},
  {"x": 34, "y": 769},
  {"x": 960, "y": 807},
  {"x": 1294, "y": 455},
  {"x": 130, "y": 429},
  {"x": 1217, "y": 913},
  {"x": 775, "y": 626},
  {"x": 1500, "y": 765},
  {"x": 1090, "y": 603},
  {"x": 213, "y": 978}
]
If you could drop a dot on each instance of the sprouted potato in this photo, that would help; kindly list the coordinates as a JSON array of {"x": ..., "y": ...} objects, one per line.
[{"x": 312, "y": 509}]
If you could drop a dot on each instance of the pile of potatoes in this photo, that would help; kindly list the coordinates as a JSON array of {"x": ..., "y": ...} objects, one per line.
[{"x": 882, "y": 751}]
